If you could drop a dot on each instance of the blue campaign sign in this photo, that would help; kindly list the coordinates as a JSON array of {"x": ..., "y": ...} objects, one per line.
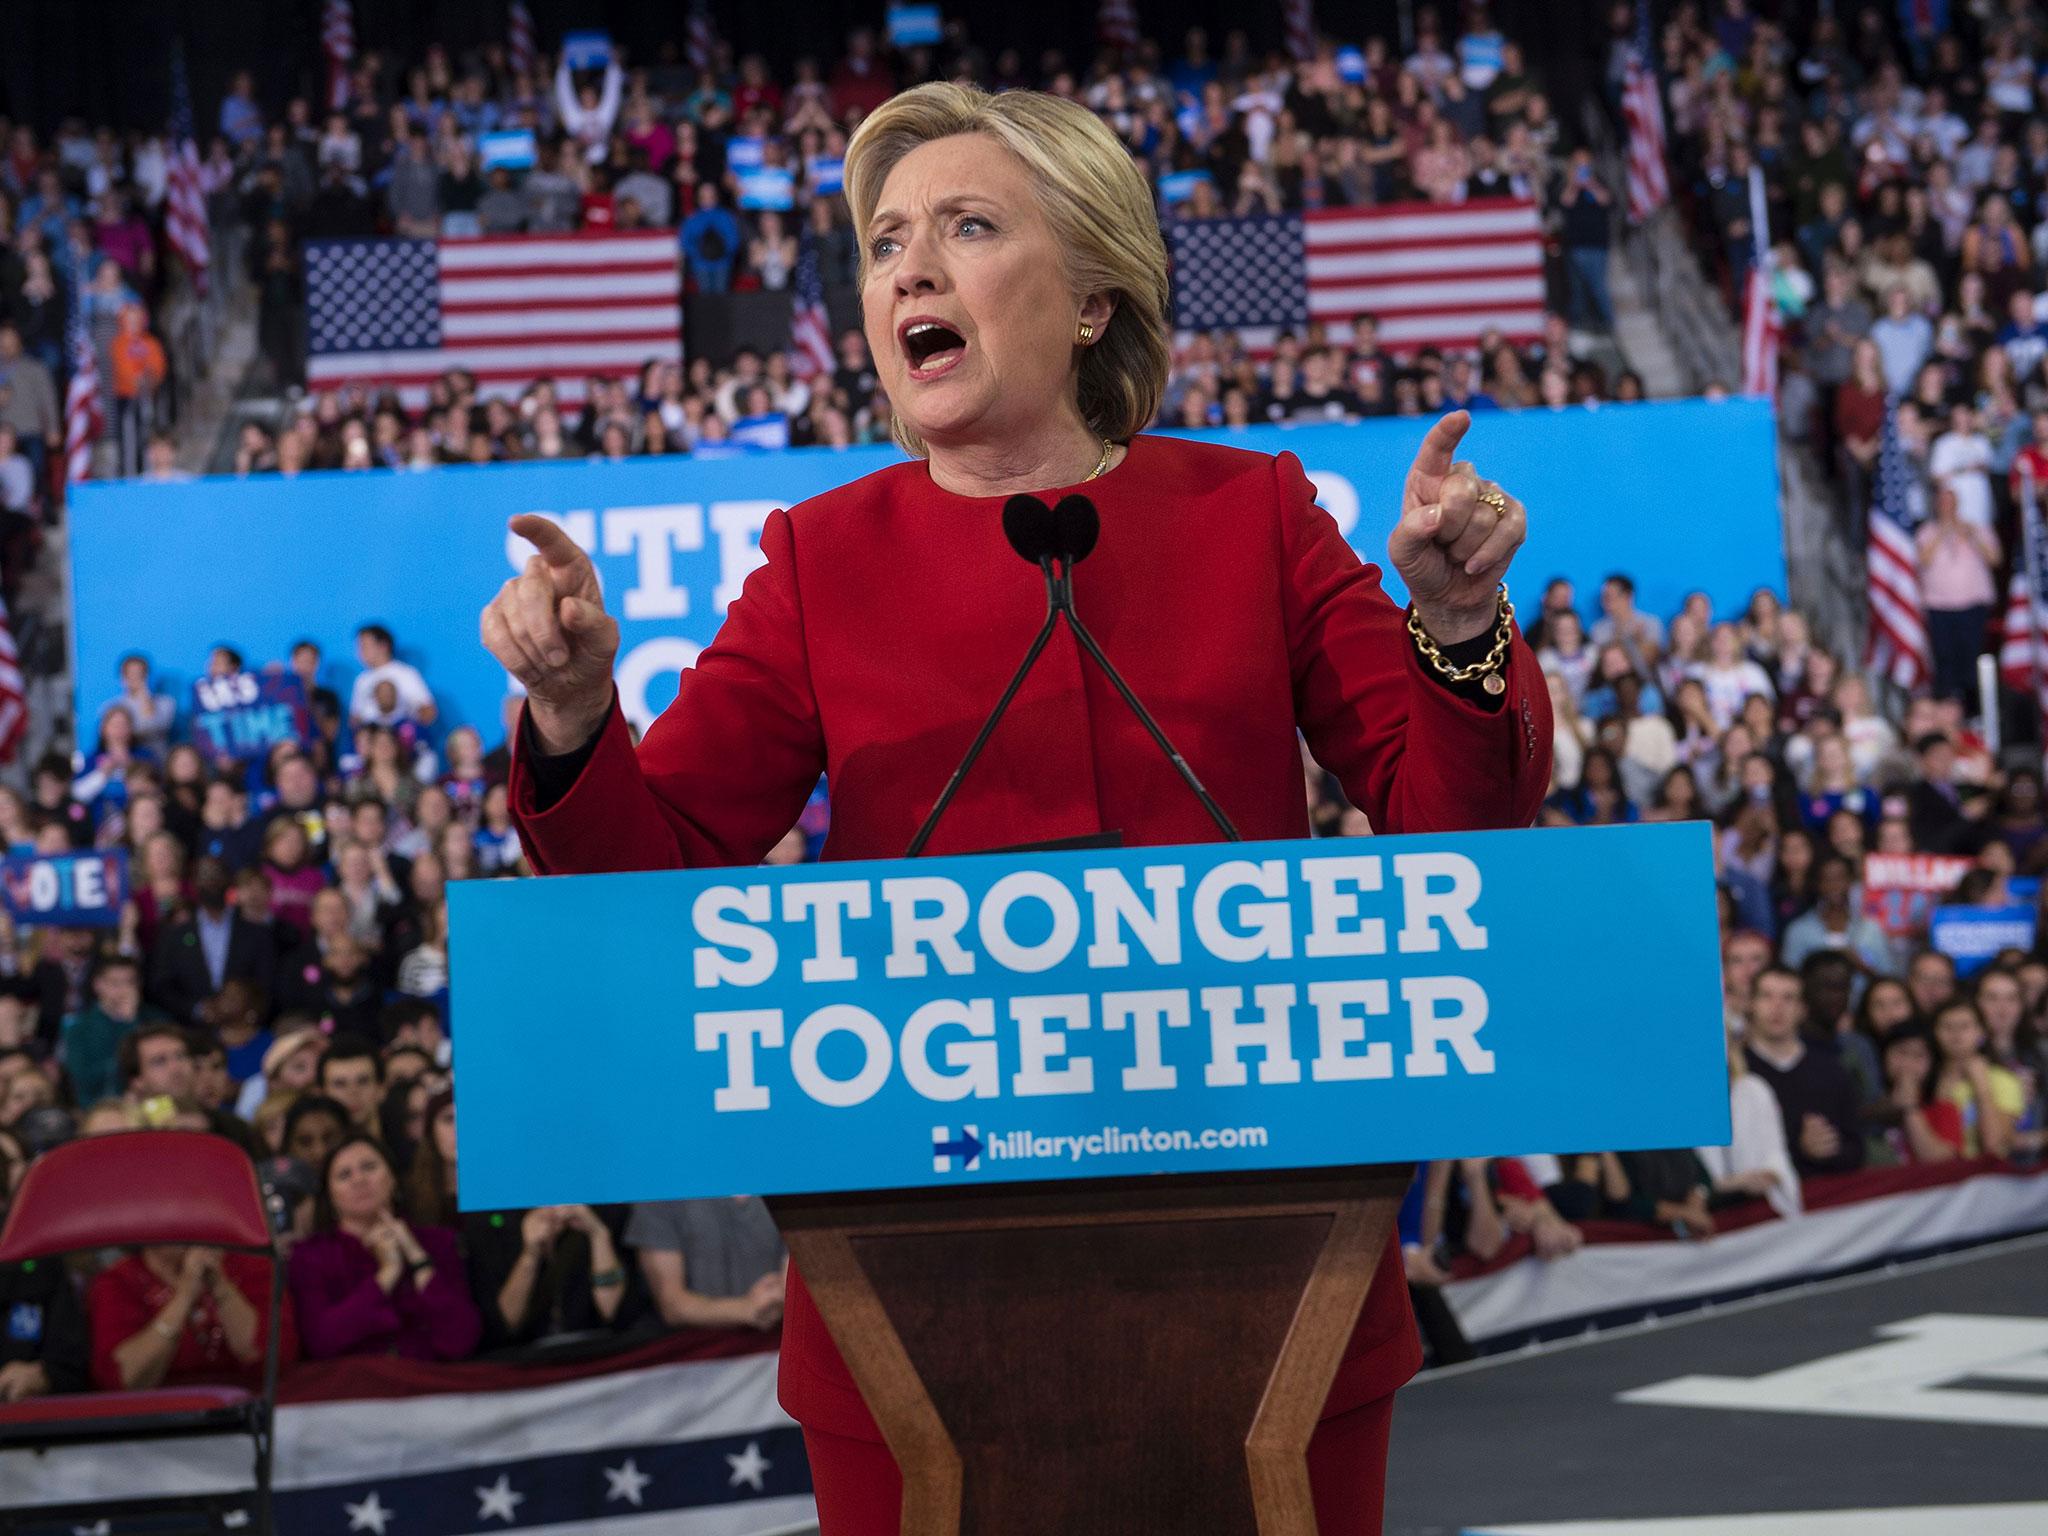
[
  {"x": 1681, "y": 495},
  {"x": 912, "y": 26},
  {"x": 245, "y": 714},
  {"x": 1088, "y": 1014},
  {"x": 66, "y": 890},
  {"x": 586, "y": 50},
  {"x": 1973, "y": 936}
]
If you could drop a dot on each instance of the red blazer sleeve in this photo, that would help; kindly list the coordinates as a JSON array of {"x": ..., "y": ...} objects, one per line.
[
  {"x": 1411, "y": 754},
  {"x": 724, "y": 772}
]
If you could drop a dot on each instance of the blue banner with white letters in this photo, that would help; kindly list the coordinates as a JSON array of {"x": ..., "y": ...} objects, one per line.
[
  {"x": 244, "y": 714},
  {"x": 1681, "y": 495},
  {"x": 1088, "y": 1014},
  {"x": 66, "y": 890}
]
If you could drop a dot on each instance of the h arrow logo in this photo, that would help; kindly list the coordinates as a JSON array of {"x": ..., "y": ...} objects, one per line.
[{"x": 950, "y": 1152}]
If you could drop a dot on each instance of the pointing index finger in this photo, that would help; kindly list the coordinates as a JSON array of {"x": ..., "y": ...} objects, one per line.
[
  {"x": 1439, "y": 448},
  {"x": 554, "y": 546}
]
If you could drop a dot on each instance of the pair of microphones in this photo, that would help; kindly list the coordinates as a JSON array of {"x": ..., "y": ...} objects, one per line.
[{"x": 1056, "y": 539}]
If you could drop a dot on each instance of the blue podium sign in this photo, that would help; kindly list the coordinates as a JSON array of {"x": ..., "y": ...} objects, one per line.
[{"x": 1087, "y": 1014}]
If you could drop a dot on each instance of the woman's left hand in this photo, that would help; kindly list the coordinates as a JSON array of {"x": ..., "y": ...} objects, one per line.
[{"x": 1452, "y": 547}]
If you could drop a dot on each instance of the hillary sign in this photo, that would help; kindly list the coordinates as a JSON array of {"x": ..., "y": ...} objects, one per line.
[{"x": 1088, "y": 1014}]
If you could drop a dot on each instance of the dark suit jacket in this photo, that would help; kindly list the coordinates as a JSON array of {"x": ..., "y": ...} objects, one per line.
[{"x": 178, "y": 979}]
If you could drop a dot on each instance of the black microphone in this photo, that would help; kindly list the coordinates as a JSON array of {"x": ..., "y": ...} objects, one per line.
[
  {"x": 1078, "y": 526},
  {"x": 1056, "y": 539},
  {"x": 1029, "y": 525}
]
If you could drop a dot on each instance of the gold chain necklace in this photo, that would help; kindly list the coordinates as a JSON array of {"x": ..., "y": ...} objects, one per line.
[{"x": 1100, "y": 464}]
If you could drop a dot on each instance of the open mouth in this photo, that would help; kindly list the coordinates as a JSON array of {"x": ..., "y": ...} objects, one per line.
[{"x": 932, "y": 347}]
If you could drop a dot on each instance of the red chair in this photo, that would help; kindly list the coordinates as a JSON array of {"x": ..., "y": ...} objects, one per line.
[{"x": 138, "y": 1189}]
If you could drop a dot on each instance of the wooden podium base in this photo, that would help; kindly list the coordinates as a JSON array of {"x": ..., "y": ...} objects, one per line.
[{"x": 1130, "y": 1357}]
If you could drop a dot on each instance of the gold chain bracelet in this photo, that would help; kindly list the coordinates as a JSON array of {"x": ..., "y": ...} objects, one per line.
[{"x": 1489, "y": 666}]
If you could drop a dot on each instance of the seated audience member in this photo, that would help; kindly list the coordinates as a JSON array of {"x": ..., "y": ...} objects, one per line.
[
  {"x": 155, "y": 1062},
  {"x": 291, "y": 1064},
  {"x": 197, "y": 956},
  {"x": 2012, "y": 1043},
  {"x": 430, "y": 1181},
  {"x": 43, "y": 1344},
  {"x": 352, "y": 1074},
  {"x": 1925, "y": 1129},
  {"x": 551, "y": 1270},
  {"x": 93, "y": 1036},
  {"x": 313, "y": 1127},
  {"x": 1816, "y": 1097},
  {"x": 1987, "y": 1098},
  {"x": 1756, "y": 1161},
  {"x": 366, "y": 1281},
  {"x": 184, "y": 1316},
  {"x": 710, "y": 1263}
]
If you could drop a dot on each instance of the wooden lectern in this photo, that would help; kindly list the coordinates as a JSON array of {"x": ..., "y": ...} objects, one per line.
[{"x": 1135, "y": 1357}]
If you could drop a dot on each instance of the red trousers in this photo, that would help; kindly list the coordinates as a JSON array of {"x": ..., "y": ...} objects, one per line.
[{"x": 860, "y": 1492}]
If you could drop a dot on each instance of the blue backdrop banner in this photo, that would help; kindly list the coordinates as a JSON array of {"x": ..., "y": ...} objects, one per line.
[
  {"x": 66, "y": 890},
  {"x": 1087, "y": 1014},
  {"x": 1683, "y": 495}
]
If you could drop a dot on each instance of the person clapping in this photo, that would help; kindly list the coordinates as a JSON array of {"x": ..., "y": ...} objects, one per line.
[{"x": 549, "y": 1271}]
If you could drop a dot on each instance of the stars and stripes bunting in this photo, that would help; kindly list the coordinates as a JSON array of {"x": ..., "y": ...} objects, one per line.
[
  {"x": 1431, "y": 274},
  {"x": 84, "y": 415},
  {"x": 509, "y": 309},
  {"x": 1896, "y": 641},
  {"x": 2023, "y": 656},
  {"x": 185, "y": 223},
  {"x": 810, "y": 326},
  {"x": 338, "y": 43},
  {"x": 1642, "y": 110}
]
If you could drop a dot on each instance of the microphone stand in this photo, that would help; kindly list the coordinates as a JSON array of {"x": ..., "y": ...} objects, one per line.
[{"x": 1059, "y": 601}]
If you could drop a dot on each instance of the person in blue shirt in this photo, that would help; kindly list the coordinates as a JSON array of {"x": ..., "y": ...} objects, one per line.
[
  {"x": 711, "y": 241},
  {"x": 241, "y": 120}
]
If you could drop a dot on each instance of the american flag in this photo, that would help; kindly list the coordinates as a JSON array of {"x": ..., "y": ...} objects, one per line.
[
  {"x": 1432, "y": 274},
  {"x": 700, "y": 37},
  {"x": 510, "y": 309},
  {"x": 1299, "y": 17},
  {"x": 13, "y": 691},
  {"x": 1896, "y": 643},
  {"x": 84, "y": 420},
  {"x": 2023, "y": 658},
  {"x": 810, "y": 327},
  {"x": 185, "y": 195},
  {"x": 1116, "y": 23},
  {"x": 338, "y": 42},
  {"x": 1760, "y": 327},
  {"x": 1642, "y": 108},
  {"x": 519, "y": 39}
]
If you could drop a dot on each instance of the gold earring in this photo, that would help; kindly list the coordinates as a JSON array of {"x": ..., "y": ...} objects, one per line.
[{"x": 1087, "y": 333}]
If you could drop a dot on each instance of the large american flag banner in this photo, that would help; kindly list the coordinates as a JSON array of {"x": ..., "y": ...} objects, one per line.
[
  {"x": 1896, "y": 644},
  {"x": 1642, "y": 108},
  {"x": 84, "y": 414},
  {"x": 1760, "y": 328},
  {"x": 519, "y": 38},
  {"x": 2023, "y": 657},
  {"x": 1432, "y": 274},
  {"x": 13, "y": 691},
  {"x": 510, "y": 309}
]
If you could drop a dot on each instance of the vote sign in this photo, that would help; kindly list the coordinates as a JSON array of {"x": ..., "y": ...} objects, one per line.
[
  {"x": 245, "y": 714},
  {"x": 1087, "y": 1013},
  {"x": 68, "y": 890}
]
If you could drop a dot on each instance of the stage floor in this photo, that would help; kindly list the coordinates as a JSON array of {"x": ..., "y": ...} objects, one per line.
[{"x": 1891, "y": 1404}]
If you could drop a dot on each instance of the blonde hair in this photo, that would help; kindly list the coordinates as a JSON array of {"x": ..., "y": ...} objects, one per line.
[{"x": 1100, "y": 209}]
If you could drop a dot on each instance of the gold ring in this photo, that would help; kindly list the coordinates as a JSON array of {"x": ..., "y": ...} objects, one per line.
[{"x": 1496, "y": 500}]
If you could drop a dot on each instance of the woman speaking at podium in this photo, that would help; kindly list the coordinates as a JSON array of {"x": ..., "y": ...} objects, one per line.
[{"x": 1014, "y": 288}]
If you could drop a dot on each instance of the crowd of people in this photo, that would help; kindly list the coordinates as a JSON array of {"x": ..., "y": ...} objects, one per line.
[{"x": 1902, "y": 165}]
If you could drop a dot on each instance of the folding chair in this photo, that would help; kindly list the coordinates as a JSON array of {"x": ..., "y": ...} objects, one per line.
[{"x": 139, "y": 1189}]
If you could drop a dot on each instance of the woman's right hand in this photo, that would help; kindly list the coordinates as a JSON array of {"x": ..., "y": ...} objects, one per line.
[{"x": 548, "y": 628}]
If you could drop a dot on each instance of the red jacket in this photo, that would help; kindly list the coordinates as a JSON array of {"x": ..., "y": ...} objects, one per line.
[{"x": 888, "y": 617}]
